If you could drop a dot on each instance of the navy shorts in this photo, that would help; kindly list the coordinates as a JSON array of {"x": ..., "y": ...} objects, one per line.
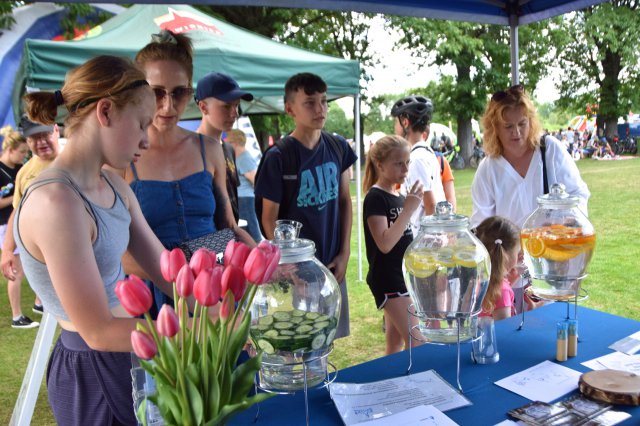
[{"x": 88, "y": 387}]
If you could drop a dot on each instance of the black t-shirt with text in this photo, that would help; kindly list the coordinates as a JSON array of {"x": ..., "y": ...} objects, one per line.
[{"x": 384, "y": 268}]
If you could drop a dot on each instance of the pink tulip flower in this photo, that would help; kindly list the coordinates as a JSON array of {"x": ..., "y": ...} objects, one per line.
[
  {"x": 202, "y": 259},
  {"x": 207, "y": 286},
  {"x": 228, "y": 306},
  {"x": 171, "y": 262},
  {"x": 262, "y": 262},
  {"x": 236, "y": 254},
  {"x": 233, "y": 279},
  {"x": 184, "y": 281},
  {"x": 134, "y": 295},
  {"x": 167, "y": 323},
  {"x": 143, "y": 345}
]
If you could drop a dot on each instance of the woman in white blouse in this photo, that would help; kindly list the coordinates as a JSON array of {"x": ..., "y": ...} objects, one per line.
[{"x": 509, "y": 180}]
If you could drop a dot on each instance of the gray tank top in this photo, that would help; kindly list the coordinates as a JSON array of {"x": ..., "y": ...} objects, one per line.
[{"x": 110, "y": 244}]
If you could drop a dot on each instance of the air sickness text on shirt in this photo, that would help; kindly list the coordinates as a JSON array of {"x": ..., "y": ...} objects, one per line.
[{"x": 318, "y": 186}]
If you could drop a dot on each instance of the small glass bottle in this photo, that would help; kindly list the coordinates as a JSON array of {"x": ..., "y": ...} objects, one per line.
[
  {"x": 561, "y": 341},
  {"x": 572, "y": 338}
]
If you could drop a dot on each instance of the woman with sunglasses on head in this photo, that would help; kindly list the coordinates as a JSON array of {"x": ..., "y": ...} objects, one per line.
[
  {"x": 511, "y": 177},
  {"x": 73, "y": 225},
  {"x": 173, "y": 179}
]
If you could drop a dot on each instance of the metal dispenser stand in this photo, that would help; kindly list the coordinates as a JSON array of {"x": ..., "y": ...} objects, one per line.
[
  {"x": 423, "y": 317},
  {"x": 331, "y": 375}
]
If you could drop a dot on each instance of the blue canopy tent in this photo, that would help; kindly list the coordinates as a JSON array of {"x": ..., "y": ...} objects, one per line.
[{"x": 501, "y": 12}]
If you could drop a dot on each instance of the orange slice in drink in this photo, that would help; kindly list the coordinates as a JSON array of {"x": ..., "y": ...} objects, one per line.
[{"x": 535, "y": 246}]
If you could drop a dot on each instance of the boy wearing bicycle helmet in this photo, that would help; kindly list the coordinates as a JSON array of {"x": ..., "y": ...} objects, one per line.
[{"x": 412, "y": 117}]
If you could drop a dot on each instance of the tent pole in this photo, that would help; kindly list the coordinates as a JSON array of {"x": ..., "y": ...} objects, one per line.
[
  {"x": 356, "y": 117},
  {"x": 515, "y": 57}
]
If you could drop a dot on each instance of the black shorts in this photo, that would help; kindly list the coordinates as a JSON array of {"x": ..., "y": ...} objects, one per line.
[{"x": 383, "y": 292}]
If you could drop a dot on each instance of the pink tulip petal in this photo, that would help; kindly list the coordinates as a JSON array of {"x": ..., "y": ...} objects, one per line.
[
  {"x": 184, "y": 281},
  {"x": 143, "y": 345},
  {"x": 164, "y": 265},
  {"x": 167, "y": 323}
]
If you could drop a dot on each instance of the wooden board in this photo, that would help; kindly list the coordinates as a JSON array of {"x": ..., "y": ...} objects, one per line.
[{"x": 612, "y": 386}]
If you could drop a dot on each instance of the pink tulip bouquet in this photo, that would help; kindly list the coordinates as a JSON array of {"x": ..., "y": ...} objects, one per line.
[{"x": 193, "y": 360}]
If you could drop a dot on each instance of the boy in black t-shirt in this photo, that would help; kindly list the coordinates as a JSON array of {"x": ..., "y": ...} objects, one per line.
[{"x": 322, "y": 200}]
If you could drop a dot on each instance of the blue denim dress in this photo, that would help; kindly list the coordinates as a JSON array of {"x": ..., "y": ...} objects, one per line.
[{"x": 177, "y": 211}]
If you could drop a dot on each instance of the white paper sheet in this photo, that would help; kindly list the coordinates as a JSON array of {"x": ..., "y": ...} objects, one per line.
[
  {"x": 615, "y": 361},
  {"x": 543, "y": 382},
  {"x": 628, "y": 345},
  {"x": 422, "y": 415},
  {"x": 359, "y": 402}
]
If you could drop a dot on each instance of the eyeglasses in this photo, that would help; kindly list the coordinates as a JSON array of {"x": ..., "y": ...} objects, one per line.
[
  {"x": 516, "y": 90},
  {"x": 178, "y": 95}
]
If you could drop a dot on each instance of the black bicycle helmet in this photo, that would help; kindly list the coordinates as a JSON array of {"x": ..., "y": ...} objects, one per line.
[{"x": 415, "y": 107}]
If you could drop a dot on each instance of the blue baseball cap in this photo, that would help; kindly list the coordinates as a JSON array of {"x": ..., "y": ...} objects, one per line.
[{"x": 220, "y": 86}]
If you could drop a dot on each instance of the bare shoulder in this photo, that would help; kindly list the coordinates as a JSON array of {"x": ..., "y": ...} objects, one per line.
[{"x": 119, "y": 184}]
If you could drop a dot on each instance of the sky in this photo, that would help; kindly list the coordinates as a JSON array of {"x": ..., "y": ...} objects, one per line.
[{"x": 398, "y": 71}]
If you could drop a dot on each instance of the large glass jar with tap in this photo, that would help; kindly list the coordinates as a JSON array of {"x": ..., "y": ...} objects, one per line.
[
  {"x": 447, "y": 273},
  {"x": 295, "y": 315},
  {"x": 558, "y": 242}
]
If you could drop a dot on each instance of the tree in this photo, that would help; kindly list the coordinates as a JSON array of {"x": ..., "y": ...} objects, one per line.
[
  {"x": 337, "y": 121},
  {"x": 76, "y": 12},
  {"x": 341, "y": 34},
  {"x": 480, "y": 55},
  {"x": 598, "y": 50}
]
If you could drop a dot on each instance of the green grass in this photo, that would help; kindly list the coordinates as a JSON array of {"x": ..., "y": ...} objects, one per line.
[{"x": 613, "y": 209}]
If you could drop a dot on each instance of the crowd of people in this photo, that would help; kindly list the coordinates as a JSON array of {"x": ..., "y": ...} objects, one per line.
[{"x": 131, "y": 182}]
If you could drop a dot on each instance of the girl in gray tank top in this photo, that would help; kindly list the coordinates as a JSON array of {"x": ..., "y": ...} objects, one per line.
[{"x": 73, "y": 226}]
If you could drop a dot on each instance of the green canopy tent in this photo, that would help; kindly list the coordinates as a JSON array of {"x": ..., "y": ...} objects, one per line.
[{"x": 259, "y": 64}]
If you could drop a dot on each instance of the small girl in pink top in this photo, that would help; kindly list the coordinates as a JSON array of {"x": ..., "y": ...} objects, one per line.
[{"x": 501, "y": 237}]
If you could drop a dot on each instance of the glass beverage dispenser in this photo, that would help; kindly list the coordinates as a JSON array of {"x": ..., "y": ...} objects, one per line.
[
  {"x": 447, "y": 273},
  {"x": 558, "y": 242},
  {"x": 295, "y": 315}
]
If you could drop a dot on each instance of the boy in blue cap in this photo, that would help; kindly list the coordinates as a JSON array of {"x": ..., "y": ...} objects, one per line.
[{"x": 218, "y": 97}]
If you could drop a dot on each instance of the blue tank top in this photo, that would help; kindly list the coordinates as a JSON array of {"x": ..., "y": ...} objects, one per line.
[
  {"x": 179, "y": 210},
  {"x": 111, "y": 242}
]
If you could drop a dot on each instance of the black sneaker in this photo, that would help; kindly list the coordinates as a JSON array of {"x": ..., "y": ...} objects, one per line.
[
  {"x": 24, "y": 322},
  {"x": 37, "y": 309}
]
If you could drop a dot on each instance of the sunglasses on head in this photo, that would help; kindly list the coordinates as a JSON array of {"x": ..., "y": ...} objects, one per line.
[
  {"x": 516, "y": 90},
  {"x": 179, "y": 94}
]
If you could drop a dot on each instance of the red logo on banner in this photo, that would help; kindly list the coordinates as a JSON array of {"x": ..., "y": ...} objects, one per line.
[{"x": 180, "y": 21}]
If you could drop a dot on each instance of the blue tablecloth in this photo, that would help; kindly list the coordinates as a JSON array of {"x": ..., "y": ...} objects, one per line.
[{"x": 518, "y": 351}]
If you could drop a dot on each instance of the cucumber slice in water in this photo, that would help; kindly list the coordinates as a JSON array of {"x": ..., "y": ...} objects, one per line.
[
  {"x": 271, "y": 333},
  {"x": 331, "y": 336},
  {"x": 282, "y": 316},
  {"x": 266, "y": 320},
  {"x": 284, "y": 325},
  {"x": 266, "y": 346},
  {"x": 318, "y": 341},
  {"x": 312, "y": 315},
  {"x": 302, "y": 329}
]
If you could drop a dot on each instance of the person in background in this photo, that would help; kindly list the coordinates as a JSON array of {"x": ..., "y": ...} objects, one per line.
[
  {"x": 72, "y": 255},
  {"x": 14, "y": 151},
  {"x": 412, "y": 117},
  {"x": 501, "y": 238},
  {"x": 446, "y": 177},
  {"x": 218, "y": 97},
  {"x": 174, "y": 181},
  {"x": 510, "y": 179},
  {"x": 247, "y": 167},
  {"x": 387, "y": 234},
  {"x": 322, "y": 202},
  {"x": 43, "y": 142}
]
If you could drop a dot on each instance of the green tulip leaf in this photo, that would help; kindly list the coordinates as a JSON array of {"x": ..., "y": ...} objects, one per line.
[
  {"x": 238, "y": 339},
  {"x": 170, "y": 355},
  {"x": 214, "y": 394},
  {"x": 243, "y": 378},
  {"x": 195, "y": 402},
  {"x": 141, "y": 412},
  {"x": 229, "y": 410}
]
